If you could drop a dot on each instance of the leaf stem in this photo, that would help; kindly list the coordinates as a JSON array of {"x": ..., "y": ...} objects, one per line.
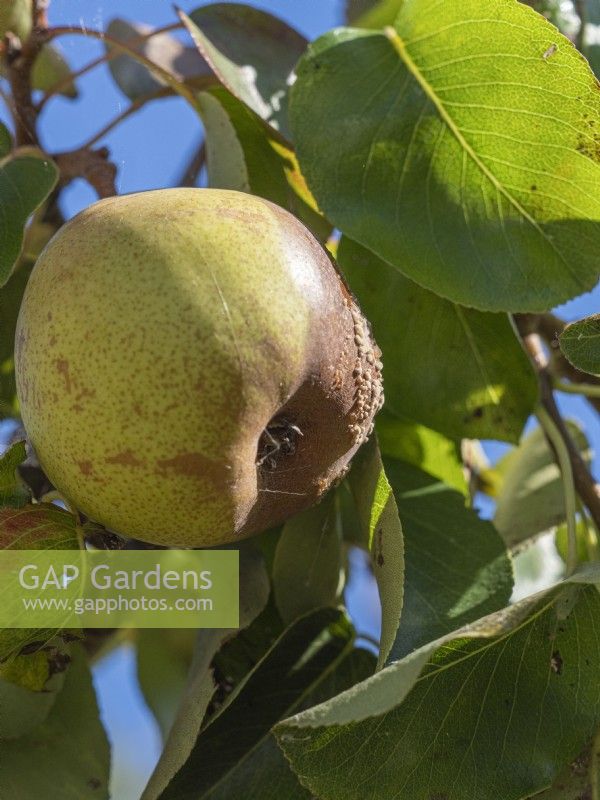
[
  {"x": 585, "y": 389},
  {"x": 562, "y": 453}
]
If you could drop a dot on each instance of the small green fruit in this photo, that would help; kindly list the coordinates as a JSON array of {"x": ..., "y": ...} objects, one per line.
[{"x": 190, "y": 366}]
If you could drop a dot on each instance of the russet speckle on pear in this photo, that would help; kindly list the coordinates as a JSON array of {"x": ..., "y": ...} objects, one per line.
[{"x": 191, "y": 368}]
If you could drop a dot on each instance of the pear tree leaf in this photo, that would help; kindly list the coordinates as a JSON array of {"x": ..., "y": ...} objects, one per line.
[
  {"x": 29, "y": 685},
  {"x": 574, "y": 781},
  {"x": 40, "y": 526},
  {"x": 133, "y": 78},
  {"x": 16, "y": 17},
  {"x": 382, "y": 535},
  {"x": 300, "y": 659},
  {"x": 585, "y": 552},
  {"x": 405, "y": 440},
  {"x": 251, "y": 52},
  {"x": 454, "y": 369},
  {"x": 265, "y": 774},
  {"x": 11, "y": 295},
  {"x": 246, "y": 154},
  {"x": 428, "y": 144},
  {"x": 308, "y": 561},
  {"x": 580, "y": 342},
  {"x": 49, "y": 68},
  {"x": 163, "y": 660},
  {"x": 372, "y": 13},
  {"x": 200, "y": 687},
  {"x": 69, "y": 750},
  {"x": 5, "y": 141},
  {"x": 13, "y": 491},
  {"x": 530, "y": 496},
  {"x": 456, "y": 565},
  {"x": 454, "y": 719},
  {"x": 26, "y": 180}
]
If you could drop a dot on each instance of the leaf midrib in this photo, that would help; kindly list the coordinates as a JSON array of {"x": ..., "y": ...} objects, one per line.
[{"x": 399, "y": 46}]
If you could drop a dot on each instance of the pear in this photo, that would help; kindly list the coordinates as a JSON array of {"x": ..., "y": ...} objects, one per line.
[{"x": 191, "y": 368}]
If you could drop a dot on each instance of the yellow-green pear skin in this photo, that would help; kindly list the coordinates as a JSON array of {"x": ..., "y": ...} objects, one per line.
[{"x": 191, "y": 368}]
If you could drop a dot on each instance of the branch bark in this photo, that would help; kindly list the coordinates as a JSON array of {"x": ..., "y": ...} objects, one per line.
[
  {"x": 549, "y": 327},
  {"x": 587, "y": 489}
]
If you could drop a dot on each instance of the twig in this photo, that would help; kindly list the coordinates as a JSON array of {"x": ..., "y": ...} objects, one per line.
[
  {"x": 171, "y": 80},
  {"x": 108, "y": 56},
  {"x": 134, "y": 106},
  {"x": 93, "y": 165},
  {"x": 549, "y": 327},
  {"x": 585, "y": 389},
  {"x": 193, "y": 169},
  {"x": 587, "y": 489}
]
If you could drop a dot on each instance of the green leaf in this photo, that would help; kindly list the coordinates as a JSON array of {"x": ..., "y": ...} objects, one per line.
[
  {"x": 308, "y": 560},
  {"x": 531, "y": 495},
  {"x": 29, "y": 685},
  {"x": 251, "y": 52},
  {"x": 246, "y": 154},
  {"x": 5, "y": 141},
  {"x": 16, "y": 17},
  {"x": 457, "y": 568},
  {"x": 372, "y": 13},
  {"x": 299, "y": 660},
  {"x": 42, "y": 526},
  {"x": 454, "y": 369},
  {"x": 163, "y": 662},
  {"x": 574, "y": 781},
  {"x": 10, "y": 302},
  {"x": 133, "y": 78},
  {"x": 422, "y": 447},
  {"x": 68, "y": 753},
  {"x": 491, "y": 711},
  {"x": 580, "y": 342},
  {"x": 49, "y": 68},
  {"x": 13, "y": 491},
  {"x": 26, "y": 180},
  {"x": 200, "y": 687},
  {"x": 430, "y": 144},
  {"x": 586, "y": 550},
  {"x": 383, "y": 537},
  {"x": 265, "y": 773}
]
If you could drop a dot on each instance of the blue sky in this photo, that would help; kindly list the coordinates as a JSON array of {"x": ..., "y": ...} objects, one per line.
[{"x": 151, "y": 149}]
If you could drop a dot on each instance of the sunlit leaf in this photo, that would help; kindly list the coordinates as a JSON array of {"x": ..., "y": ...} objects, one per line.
[
  {"x": 454, "y": 719},
  {"x": 460, "y": 146}
]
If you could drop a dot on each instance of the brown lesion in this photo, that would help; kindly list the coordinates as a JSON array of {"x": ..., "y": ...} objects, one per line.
[
  {"x": 85, "y": 467},
  {"x": 196, "y": 465},
  {"x": 62, "y": 367},
  {"x": 125, "y": 459}
]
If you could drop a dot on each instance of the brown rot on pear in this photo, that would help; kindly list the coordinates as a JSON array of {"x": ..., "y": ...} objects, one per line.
[{"x": 191, "y": 368}]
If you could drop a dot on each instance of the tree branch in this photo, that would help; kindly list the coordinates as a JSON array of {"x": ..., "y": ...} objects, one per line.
[
  {"x": 549, "y": 327},
  {"x": 193, "y": 169},
  {"x": 587, "y": 489},
  {"x": 92, "y": 165}
]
